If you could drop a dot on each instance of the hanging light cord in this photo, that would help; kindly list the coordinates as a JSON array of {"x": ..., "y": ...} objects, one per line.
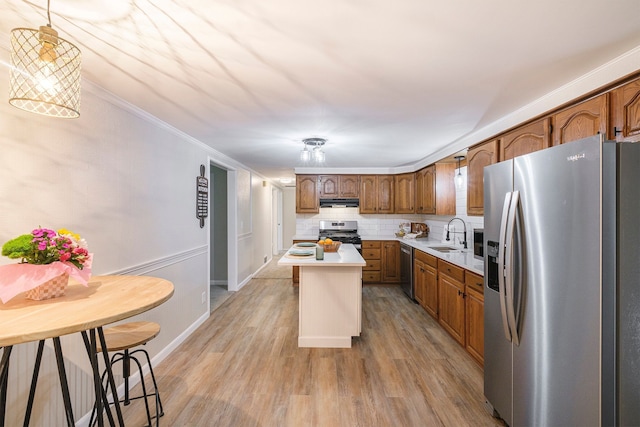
[{"x": 48, "y": 14}]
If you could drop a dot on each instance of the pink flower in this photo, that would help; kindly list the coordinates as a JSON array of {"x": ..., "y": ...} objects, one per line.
[
  {"x": 81, "y": 251},
  {"x": 65, "y": 256}
]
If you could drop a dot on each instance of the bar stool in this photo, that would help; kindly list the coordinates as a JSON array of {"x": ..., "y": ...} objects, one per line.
[{"x": 121, "y": 339}]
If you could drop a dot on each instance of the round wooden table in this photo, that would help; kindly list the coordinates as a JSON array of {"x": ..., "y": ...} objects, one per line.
[{"x": 107, "y": 299}]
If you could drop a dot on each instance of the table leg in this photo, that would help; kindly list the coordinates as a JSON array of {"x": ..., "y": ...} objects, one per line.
[
  {"x": 112, "y": 382},
  {"x": 34, "y": 383},
  {"x": 4, "y": 379},
  {"x": 102, "y": 400},
  {"x": 62, "y": 373}
]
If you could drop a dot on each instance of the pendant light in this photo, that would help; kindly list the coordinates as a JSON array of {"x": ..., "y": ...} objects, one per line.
[
  {"x": 45, "y": 72},
  {"x": 459, "y": 179}
]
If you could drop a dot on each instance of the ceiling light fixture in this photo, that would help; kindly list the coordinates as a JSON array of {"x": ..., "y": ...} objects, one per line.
[
  {"x": 316, "y": 153},
  {"x": 459, "y": 180},
  {"x": 45, "y": 72}
]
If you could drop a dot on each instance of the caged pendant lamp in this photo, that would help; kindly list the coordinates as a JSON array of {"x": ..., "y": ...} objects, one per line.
[{"x": 45, "y": 72}]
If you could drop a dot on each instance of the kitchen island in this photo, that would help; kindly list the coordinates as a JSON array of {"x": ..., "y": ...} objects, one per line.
[{"x": 330, "y": 296}]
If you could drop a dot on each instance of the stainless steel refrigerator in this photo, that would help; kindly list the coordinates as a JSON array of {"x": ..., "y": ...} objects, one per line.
[{"x": 562, "y": 293}]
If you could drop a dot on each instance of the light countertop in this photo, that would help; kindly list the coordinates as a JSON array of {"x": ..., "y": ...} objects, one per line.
[
  {"x": 347, "y": 256},
  {"x": 464, "y": 258}
]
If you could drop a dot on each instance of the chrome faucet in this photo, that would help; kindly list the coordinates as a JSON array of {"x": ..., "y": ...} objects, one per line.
[{"x": 465, "y": 231}]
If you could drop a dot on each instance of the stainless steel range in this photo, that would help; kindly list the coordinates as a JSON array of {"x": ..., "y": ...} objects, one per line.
[{"x": 341, "y": 231}]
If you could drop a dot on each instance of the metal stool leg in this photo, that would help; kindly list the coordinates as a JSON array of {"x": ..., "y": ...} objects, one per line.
[
  {"x": 144, "y": 395},
  {"x": 153, "y": 378}
]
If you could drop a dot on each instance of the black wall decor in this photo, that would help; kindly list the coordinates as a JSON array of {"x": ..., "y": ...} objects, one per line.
[{"x": 202, "y": 196}]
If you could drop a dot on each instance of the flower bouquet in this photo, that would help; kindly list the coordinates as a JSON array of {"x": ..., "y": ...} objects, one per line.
[{"x": 47, "y": 259}]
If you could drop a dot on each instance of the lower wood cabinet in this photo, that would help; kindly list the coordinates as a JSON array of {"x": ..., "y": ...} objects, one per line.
[
  {"x": 390, "y": 268},
  {"x": 454, "y": 297},
  {"x": 451, "y": 300},
  {"x": 383, "y": 261},
  {"x": 474, "y": 312},
  {"x": 425, "y": 276},
  {"x": 373, "y": 257}
]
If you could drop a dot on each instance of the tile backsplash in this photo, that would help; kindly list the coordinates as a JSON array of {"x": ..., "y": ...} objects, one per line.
[{"x": 370, "y": 226}]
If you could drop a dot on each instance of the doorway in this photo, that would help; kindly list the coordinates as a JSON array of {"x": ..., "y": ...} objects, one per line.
[{"x": 219, "y": 262}]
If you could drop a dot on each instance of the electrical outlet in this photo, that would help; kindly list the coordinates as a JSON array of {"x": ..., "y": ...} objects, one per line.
[{"x": 204, "y": 297}]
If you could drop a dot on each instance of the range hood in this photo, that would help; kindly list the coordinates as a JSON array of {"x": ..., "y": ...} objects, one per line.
[{"x": 339, "y": 203}]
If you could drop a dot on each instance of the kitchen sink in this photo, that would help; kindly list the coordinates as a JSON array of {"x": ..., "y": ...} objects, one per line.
[{"x": 445, "y": 248}]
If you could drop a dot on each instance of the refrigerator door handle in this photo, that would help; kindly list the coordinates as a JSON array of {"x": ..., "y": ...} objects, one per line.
[
  {"x": 501, "y": 265},
  {"x": 508, "y": 267}
]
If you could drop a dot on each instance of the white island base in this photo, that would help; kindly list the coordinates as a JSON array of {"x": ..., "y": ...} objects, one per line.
[
  {"x": 330, "y": 298},
  {"x": 330, "y": 307}
]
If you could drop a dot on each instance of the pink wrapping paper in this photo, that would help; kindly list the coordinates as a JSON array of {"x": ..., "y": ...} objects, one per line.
[{"x": 17, "y": 278}]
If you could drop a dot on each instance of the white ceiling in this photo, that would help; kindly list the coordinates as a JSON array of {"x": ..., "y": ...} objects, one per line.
[{"x": 387, "y": 83}]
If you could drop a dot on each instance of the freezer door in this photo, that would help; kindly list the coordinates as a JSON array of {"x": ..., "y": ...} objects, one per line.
[
  {"x": 498, "y": 378},
  {"x": 629, "y": 286},
  {"x": 556, "y": 367}
]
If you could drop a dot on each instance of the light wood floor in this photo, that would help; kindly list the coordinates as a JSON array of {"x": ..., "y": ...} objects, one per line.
[{"x": 242, "y": 367}]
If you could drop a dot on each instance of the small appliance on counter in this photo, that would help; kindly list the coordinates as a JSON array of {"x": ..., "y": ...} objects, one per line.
[
  {"x": 421, "y": 230},
  {"x": 478, "y": 243}
]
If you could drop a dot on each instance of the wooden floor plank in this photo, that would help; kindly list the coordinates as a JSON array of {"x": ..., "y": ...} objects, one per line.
[{"x": 243, "y": 367}]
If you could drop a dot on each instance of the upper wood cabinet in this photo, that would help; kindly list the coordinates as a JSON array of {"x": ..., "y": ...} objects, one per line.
[
  {"x": 582, "y": 120},
  {"x": 435, "y": 189},
  {"x": 445, "y": 189},
  {"x": 331, "y": 186},
  {"x": 376, "y": 194},
  {"x": 369, "y": 194},
  {"x": 625, "y": 112},
  {"x": 328, "y": 186},
  {"x": 404, "y": 193},
  {"x": 526, "y": 139},
  {"x": 349, "y": 185},
  {"x": 477, "y": 158},
  {"x": 386, "y": 192},
  {"x": 426, "y": 190},
  {"x": 307, "y": 194}
]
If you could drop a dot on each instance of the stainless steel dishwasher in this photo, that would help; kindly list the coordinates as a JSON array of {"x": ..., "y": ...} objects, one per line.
[{"x": 406, "y": 269}]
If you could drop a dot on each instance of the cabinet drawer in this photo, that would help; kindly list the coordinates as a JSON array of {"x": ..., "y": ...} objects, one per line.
[
  {"x": 451, "y": 270},
  {"x": 475, "y": 293},
  {"x": 370, "y": 244},
  {"x": 426, "y": 258},
  {"x": 371, "y": 276},
  {"x": 474, "y": 281},
  {"x": 370, "y": 254},
  {"x": 372, "y": 264}
]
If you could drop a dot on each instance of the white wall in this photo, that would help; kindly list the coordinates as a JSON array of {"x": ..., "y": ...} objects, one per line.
[
  {"x": 288, "y": 216},
  {"x": 126, "y": 183}
]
